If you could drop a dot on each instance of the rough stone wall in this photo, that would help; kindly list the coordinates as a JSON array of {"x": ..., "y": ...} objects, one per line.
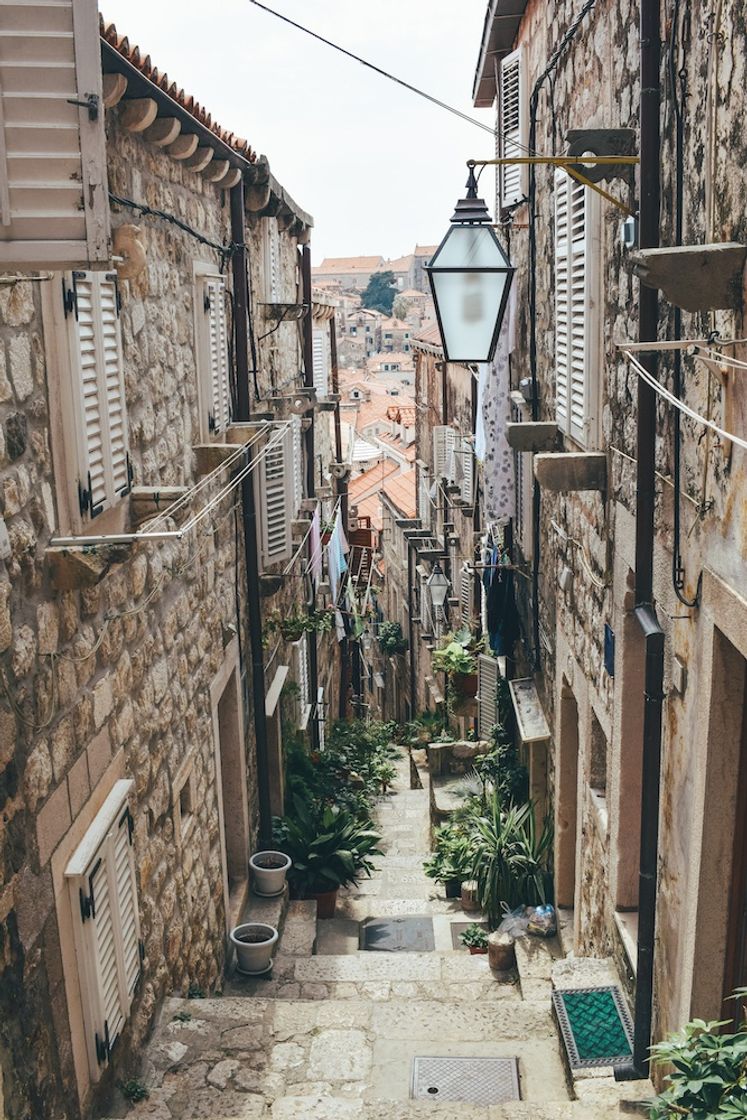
[
  {"x": 117, "y": 673},
  {"x": 596, "y": 84}
]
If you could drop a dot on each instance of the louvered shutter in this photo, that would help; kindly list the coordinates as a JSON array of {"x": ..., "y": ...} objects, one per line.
[
  {"x": 272, "y": 262},
  {"x": 466, "y": 598},
  {"x": 487, "y": 695},
  {"x": 98, "y": 389},
  {"x": 513, "y": 128},
  {"x": 444, "y": 440},
  {"x": 467, "y": 470},
  {"x": 54, "y": 208},
  {"x": 218, "y": 390},
  {"x": 103, "y": 896},
  {"x": 321, "y": 361},
  {"x": 425, "y": 506},
  {"x": 298, "y": 464},
  {"x": 302, "y": 680},
  {"x": 576, "y": 302},
  {"x": 275, "y": 497}
]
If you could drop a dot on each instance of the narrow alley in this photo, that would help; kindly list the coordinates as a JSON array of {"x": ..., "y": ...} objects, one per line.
[{"x": 333, "y": 1034}]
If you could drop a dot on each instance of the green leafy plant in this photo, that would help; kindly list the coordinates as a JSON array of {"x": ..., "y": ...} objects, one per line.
[
  {"x": 474, "y": 937},
  {"x": 501, "y": 769},
  {"x": 709, "y": 1079},
  {"x": 293, "y": 626},
  {"x": 194, "y": 991},
  {"x": 330, "y": 848},
  {"x": 510, "y": 858},
  {"x": 454, "y": 659},
  {"x": 451, "y": 857},
  {"x": 133, "y": 1090},
  {"x": 391, "y": 638},
  {"x": 385, "y": 773}
]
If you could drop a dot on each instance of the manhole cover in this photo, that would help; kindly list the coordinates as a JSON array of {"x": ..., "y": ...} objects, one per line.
[
  {"x": 477, "y": 1080},
  {"x": 458, "y": 928},
  {"x": 596, "y": 1026},
  {"x": 410, "y": 934}
]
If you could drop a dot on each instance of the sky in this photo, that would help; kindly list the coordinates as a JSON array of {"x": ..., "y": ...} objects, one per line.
[{"x": 379, "y": 168}]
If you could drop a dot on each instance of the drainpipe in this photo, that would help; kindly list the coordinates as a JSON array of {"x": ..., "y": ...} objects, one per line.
[
  {"x": 411, "y": 629},
  {"x": 653, "y": 634},
  {"x": 251, "y": 550},
  {"x": 308, "y": 365}
]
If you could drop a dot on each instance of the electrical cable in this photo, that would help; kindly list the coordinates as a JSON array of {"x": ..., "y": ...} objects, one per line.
[
  {"x": 226, "y": 251},
  {"x": 377, "y": 69}
]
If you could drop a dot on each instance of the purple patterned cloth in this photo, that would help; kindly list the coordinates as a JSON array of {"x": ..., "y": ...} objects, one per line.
[{"x": 491, "y": 444}]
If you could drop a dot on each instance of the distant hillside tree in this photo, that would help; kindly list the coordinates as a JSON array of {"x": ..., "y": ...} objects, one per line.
[
  {"x": 400, "y": 307},
  {"x": 380, "y": 293}
]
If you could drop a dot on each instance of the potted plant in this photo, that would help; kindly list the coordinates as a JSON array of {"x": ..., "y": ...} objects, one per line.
[
  {"x": 449, "y": 864},
  {"x": 254, "y": 943},
  {"x": 385, "y": 773},
  {"x": 391, "y": 638},
  {"x": 269, "y": 870},
  {"x": 329, "y": 848},
  {"x": 475, "y": 938},
  {"x": 293, "y": 626}
]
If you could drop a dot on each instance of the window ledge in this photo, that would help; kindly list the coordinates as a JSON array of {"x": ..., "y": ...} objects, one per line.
[
  {"x": 71, "y": 570},
  {"x": 627, "y": 927}
]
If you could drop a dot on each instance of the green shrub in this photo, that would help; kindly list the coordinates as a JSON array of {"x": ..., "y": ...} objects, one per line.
[
  {"x": 709, "y": 1079},
  {"x": 329, "y": 848},
  {"x": 510, "y": 860}
]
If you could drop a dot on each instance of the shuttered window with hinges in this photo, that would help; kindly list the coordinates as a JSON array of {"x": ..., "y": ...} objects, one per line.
[
  {"x": 466, "y": 475},
  {"x": 103, "y": 898},
  {"x": 97, "y": 404},
  {"x": 54, "y": 209},
  {"x": 577, "y": 350},
  {"x": 298, "y": 465},
  {"x": 487, "y": 694},
  {"x": 523, "y": 489},
  {"x": 274, "y": 496},
  {"x": 425, "y": 505},
  {"x": 513, "y": 130},
  {"x": 321, "y": 360},
  {"x": 466, "y": 594},
  {"x": 444, "y": 442},
  {"x": 272, "y": 261},
  {"x": 303, "y": 681},
  {"x": 212, "y": 351}
]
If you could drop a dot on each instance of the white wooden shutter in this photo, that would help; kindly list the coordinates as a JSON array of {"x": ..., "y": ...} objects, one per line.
[
  {"x": 444, "y": 441},
  {"x": 272, "y": 261},
  {"x": 467, "y": 470},
  {"x": 303, "y": 680},
  {"x": 425, "y": 506},
  {"x": 466, "y": 598},
  {"x": 523, "y": 491},
  {"x": 274, "y": 497},
  {"x": 92, "y": 308},
  {"x": 103, "y": 898},
  {"x": 487, "y": 694},
  {"x": 297, "y": 465},
  {"x": 513, "y": 131},
  {"x": 577, "y": 308},
  {"x": 321, "y": 363},
  {"x": 54, "y": 207},
  {"x": 216, "y": 379}
]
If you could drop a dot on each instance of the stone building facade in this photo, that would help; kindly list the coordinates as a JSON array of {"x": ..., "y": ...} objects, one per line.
[
  {"x": 581, "y": 635},
  {"x": 129, "y": 780}
]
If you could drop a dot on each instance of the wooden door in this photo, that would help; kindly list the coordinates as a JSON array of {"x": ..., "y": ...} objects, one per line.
[{"x": 735, "y": 972}]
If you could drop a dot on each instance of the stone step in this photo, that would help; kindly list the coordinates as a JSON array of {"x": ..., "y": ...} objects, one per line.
[{"x": 298, "y": 938}]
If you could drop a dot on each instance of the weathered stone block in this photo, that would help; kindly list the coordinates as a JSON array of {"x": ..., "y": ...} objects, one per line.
[
  {"x": 569, "y": 471},
  {"x": 52, "y": 823},
  {"x": 37, "y": 777},
  {"x": 48, "y": 627},
  {"x": 6, "y": 626},
  {"x": 78, "y": 785},
  {"x": 63, "y": 747},
  {"x": 99, "y": 756},
  {"x": 532, "y": 436},
  {"x": 19, "y": 352},
  {"x": 16, "y": 435},
  {"x": 102, "y": 701}
]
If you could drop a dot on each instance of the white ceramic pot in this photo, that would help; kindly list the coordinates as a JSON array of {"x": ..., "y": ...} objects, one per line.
[
  {"x": 254, "y": 943},
  {"x": 268, "y": 872}
]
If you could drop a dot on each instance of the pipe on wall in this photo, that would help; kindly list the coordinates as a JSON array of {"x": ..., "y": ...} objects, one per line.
[
  {"x": 308, "y": 366},
  {"x": 249, "y": 516}
]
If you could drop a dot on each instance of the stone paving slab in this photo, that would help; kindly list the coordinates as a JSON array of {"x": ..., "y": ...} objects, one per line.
[{"x": 299, "y": 930}]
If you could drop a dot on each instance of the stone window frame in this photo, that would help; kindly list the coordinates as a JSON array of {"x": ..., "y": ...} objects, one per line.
[{"x": 67, "y": 414}]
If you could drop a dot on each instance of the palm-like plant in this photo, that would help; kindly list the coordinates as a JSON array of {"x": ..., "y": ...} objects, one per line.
[
  {"x": 510, "y": 858},
  {"x": 329, "y": 848}
]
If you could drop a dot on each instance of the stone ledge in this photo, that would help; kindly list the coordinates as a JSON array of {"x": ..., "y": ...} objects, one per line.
[
  {"x": 71, "y": 570},
  {"x": 695, "y": 277},
  {"x": 531, "y": 435},
  {"x": 572, "y": 470}
]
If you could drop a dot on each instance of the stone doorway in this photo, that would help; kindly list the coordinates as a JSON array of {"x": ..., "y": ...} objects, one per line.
[
  {"x": 735, "y": 971},
  {"x": 566, "y": 801},
  {"x": 230, "y": 765}
]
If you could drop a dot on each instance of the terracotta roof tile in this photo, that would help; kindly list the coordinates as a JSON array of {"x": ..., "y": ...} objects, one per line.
[
  {"x": 132, "y": 53},
  {"x": 402, "y": 492},
  {"x": 347, "y": 264}
]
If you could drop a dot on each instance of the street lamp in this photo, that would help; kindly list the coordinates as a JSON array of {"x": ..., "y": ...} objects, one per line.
[
  {"x": 438, "y": 586},
  {"x": 470, "y": 276}
]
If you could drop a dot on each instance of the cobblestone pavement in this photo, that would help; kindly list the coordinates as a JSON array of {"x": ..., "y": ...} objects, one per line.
[{"x": 332, "y": 1035}]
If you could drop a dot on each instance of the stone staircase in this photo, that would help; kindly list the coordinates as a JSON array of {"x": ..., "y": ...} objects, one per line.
[{"x": 331, "y": 1035}]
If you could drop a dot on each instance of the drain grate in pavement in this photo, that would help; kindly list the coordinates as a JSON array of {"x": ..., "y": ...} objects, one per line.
[
  {"x": 596, "y": 1026},
  {"x": 409, "y": 934},
  {"x": 458, "y": 928},
  {"x": 477, "y": 1080}
]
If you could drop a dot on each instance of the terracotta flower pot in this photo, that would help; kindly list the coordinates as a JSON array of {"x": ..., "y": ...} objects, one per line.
[
  {"x": 326, "y": 902},
  {"x": 477, "y": 951}
]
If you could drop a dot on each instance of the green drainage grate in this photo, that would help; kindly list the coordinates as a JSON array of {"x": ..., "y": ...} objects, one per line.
[{"x": 596, "y": 1026}]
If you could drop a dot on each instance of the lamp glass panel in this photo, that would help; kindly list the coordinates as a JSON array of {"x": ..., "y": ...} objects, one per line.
[
  {"x": 470, "y": 247},
  {"x": 468, "y": 307}
]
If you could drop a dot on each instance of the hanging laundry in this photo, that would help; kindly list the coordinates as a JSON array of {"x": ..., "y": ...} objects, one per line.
[
  {"x": 498, "y": 463},
  {"x": 503, "y": 617}
]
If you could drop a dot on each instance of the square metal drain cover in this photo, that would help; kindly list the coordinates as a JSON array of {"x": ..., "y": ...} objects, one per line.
[
  {"x": 409, "y": 934},
  {"x": 458, "y": 928},
  {"x": 477, "y": 1080},
  {"x": 596, "y": 1026}
]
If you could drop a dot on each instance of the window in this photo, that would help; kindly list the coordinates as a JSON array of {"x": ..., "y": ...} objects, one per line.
[
  {"x": 487, "y": 694},
  {"x": 298, "y": 464},
  {"x": 301, "y": 651},
  {"x": 466, "y": 595},
  {"x": 513, "y": 131},
  {"x": 54, "y": 210},
  {"x": 444, "y": 441},
  {"x": 93, "y": 451},
  {"x": 274, "y": 495},
  {"x": 322, "y": 360},
  {"x": 523, "y": 483},
  {"x": 272, "y": 261},
  {"x": 103, "y": 894},
  {"x": 576, "y": 309},
  {"x": 211, "y": 331},
  {"x": 463, "y": 470},
  {"x": 425, "y": 506},
  {"x": 184, "y": 802}
]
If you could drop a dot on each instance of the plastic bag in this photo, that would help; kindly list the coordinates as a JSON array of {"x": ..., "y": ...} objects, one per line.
[
  {"x": 515, "y": 922},
  {"x": 541, "y": 921}
]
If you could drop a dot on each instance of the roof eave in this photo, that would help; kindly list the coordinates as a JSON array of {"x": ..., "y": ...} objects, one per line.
[{"x": 502, "y": 21}]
